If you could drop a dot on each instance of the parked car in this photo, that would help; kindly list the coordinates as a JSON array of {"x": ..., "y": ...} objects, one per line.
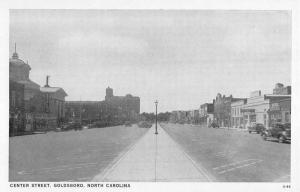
[
  {"x": 256, "y": 127},
  {"x": 85, "y": 127},
  {"x": 127, "y": 124},
  {"x": 282, "y": 132},
  {"x": 72, "y": 126},
  {"x": 213, "y": 125}
]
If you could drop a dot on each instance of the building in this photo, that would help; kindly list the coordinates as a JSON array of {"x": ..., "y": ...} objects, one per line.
[
  {"x": 113, "y": 110},
  {"x": 280, "y": 106},
  {"x": 179, "y": 117},
  {"x": 196, "y": 117},
  {"x": 206, "y": 114},
  {"x": 51, "y": 108},
  {"x": 237, "y": 120},
  {"x": 19, "y": 72},
  {"x": 127, "y": 105},
  {"x": 280, "y": 109},
  {"x": 173, "y": 117},
  {"x": 222, "y": 109},
  {"x": 43, "y": 107},
  {"x": 16, "y": 108},
  {"x": 84, "y": 111},
  {"x": 269, "y": 108},
  {"x": 19, "y": 77},
  {"x": 280, "y": 89}
]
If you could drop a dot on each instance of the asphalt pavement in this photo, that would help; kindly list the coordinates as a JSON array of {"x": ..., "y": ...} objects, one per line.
[
  {"x": 178, "y": 153},
  {"x": 233, "y": 156},
  {"x": 68, "y": 156}
]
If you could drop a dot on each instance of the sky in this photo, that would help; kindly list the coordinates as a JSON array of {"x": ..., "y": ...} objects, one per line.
[{"x": 182, "y": 58}]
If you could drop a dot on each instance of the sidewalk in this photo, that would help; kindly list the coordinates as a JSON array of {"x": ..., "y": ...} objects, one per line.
[{"x": 155, "y": 158}]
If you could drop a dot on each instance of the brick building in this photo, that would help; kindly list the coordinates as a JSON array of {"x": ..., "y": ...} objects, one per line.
[
  {"x": 280, "y": 107},
  {"x": 42, "y": 107},
  {"x": 111, "y": 111},
  {"x": 16, "y": 108},
  {"x": 19, "y": 72},
  {"x": 222, "y": 109}
]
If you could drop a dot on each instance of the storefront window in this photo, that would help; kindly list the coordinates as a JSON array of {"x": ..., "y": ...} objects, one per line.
[{"x": 252, "y": 118}]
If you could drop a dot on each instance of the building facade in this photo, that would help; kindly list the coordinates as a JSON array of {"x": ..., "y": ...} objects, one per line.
[
  {"x": 280, "y": 110},
  {"x": 196, "y": 117},
  {"x": 180, "y": 117},
  {"x": 16, "y": 108},
  {"x": 114, "y": 110},
  {"x": 43, "y": 107},
  {"x": 206, "y": 114},
  {"x": 222, "y": 109},
  {"x": 269, "y": 108},
  {"x": 237, "y": 120},
  {"x": 256, "y": 109},
  {"x": 19, "y": 72}
]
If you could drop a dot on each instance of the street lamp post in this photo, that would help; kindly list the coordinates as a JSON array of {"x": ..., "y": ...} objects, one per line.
[{"x": 156, "y": 102}]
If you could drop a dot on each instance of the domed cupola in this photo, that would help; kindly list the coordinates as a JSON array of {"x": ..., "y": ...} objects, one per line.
[
  {"x": 14, "y": 61},
  {"x": 18, "y": 69}
]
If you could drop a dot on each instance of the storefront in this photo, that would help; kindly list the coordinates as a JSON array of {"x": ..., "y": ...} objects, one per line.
[
  {"x": 280, "y": 111},
  {"x": 249, "y": 117}
]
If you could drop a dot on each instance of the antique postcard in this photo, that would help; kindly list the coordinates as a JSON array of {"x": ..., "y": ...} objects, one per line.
[{"x": 114, "y": 99}]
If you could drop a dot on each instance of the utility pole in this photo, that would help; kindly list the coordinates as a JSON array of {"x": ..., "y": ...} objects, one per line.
[
  {"x": 80, "y": 109},
  {"x": 156, "y": 102}
]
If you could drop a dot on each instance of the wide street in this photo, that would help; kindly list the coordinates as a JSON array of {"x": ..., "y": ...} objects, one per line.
[
  {"x": 68, "y": 156},
  {"x": 234, "y": 156},
  {"x": 178, "y": 153}
]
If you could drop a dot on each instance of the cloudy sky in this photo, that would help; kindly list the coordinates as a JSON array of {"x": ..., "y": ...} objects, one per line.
[{"x": 181, "y": 58}]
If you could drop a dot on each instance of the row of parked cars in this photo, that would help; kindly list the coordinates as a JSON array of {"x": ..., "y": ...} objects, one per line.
[{"x": 279, "y": 131}]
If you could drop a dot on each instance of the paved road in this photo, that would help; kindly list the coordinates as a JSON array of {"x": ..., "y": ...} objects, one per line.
[
  {"x": 68, "y": 156},
  {"x": 154, "y": 158},
  {"x": 234, "y": 156}
]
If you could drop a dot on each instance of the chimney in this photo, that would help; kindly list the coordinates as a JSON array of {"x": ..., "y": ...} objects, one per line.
[{"x": 47, "y": 81}]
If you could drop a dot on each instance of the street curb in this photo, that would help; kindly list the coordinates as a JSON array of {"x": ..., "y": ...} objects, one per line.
[
  {"x": 198, "y": 166},
  {"x": 108, "y": 169}
]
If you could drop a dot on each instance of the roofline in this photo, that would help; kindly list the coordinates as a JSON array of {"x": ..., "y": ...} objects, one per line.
[{"x": 272, "y": 95}]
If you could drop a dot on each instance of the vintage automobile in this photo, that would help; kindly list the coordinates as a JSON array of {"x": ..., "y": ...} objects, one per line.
[
  {"x": 213, "y": 125},
  {"x": 256, "y": 127},
  {"x": 279, "y": 131},
  {"x": 127, "y": 124},
  {"x": 72, "y": 126}
]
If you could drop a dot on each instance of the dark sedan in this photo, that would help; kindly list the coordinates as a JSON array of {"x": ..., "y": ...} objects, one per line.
[
  {"x": 279, "y": 131},
  {"x": 256, "y": 127}
]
